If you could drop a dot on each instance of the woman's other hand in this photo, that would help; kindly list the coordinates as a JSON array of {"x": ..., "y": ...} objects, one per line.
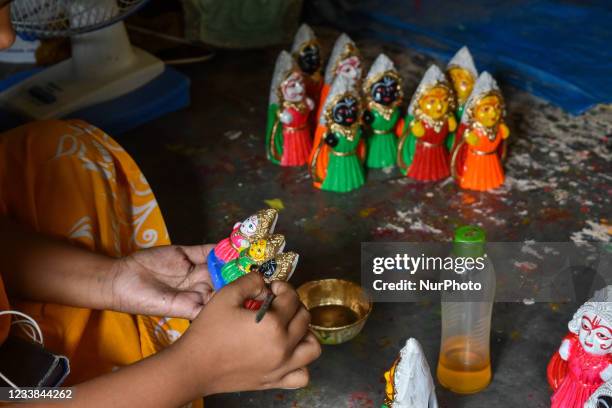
[{"x": 170, "y": 281}]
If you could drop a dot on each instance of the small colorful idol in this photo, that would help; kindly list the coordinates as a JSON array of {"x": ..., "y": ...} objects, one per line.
[
  {"x": 422, "y": 153},
  {"x": 408, "y": 382},
  {"x": 383, "y": 94},
  {"x": 257, "y": 226},
  {"x": 279, "y": 268},
  {"x": 306, "y": 52},
  {"x": 463, "y": 74},
  {"x": 260, "y": 251},
  {"x": 584, "y": 359},
  {"x": 288, "y": 137},
  {"x": 477, "y": 157},
  {"x": 336, "y": 164},
  {"x": 345, "y": 60}
]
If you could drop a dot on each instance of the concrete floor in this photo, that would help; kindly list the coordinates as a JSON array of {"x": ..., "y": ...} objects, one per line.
[{"x": 208, "y": 169}]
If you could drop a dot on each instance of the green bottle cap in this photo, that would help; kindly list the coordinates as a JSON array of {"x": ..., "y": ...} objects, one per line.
[{"x": 469, "y": 241}]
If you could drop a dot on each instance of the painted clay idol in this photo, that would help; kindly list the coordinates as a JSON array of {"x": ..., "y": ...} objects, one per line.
[
  {"x": 279, "y": 268},
  {"x": 482, "y": 134},
  {"x": 463, "y": 74},
  {"x": 583, "y": 362},
  {"x": 422, "y": 153},
  {"x": 408, "y": 382},
  {"x": 288, "y": 138},
  {"x": 336, "y": 165},
  {"x": 345, "y": 60},
  {"x": 383, "y": 95},
  {"x": 260, "y": 251},
  {"x": 257, "y": 226},
  {"x": 306, "y": 52}
]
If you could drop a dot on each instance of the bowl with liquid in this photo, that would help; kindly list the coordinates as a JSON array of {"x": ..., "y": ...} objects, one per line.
[{"x": 338, "y": 309}]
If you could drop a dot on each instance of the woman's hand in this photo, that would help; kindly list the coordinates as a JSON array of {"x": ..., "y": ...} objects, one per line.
[
  {"x": 168, "y": 281},
  {"x": 224, "y": 350}
]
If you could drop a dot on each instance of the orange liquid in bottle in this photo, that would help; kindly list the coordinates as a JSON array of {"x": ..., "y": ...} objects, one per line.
[{"x": 463, "y": 366}]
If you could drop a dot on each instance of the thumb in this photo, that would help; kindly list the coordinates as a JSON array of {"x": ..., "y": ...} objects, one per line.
[{"x": 249, "y": 286}]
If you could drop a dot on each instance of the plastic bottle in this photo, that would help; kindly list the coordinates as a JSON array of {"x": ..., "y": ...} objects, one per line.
[{"x": 464, "y": 365}]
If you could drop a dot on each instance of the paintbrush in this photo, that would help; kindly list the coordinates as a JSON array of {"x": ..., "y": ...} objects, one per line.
[{"x": 264, "y": 307}]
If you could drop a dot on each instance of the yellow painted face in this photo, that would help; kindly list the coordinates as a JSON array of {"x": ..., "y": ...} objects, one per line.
[
  {"x": 488, "y": 111},
  {"x": 434, "y": 102},
  {"x": 463, "y": 83},
  {"x": 389, "y": 385},
  {"x": 257, "y": 250}
]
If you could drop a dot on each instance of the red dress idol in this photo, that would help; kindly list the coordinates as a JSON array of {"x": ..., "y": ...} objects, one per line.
[
  {"x": 297, "y": 142},
  {"x": 431, "y": 161}
]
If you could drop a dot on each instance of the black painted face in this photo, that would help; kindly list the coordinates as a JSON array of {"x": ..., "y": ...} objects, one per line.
[
  {"x": 346, "y": 111},
  {"x": 385, "y": 91},
  {"x": 268, "y": 268},
  {"x": 309, "y": 59}
]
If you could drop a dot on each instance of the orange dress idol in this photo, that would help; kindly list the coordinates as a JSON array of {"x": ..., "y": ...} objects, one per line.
[{"x": 477, "y": 157}]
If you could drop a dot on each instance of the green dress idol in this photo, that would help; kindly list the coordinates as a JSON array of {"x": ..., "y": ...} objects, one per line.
[
  {"x": 344, "y": 170},
  {"x": 383, "y": 93},
  {"x": 336, "y": 163}
]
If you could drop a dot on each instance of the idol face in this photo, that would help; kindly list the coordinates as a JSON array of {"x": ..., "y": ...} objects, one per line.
[
  {"x": 385, "y": 91},
  {"x": 293, "y": 88},
  {"x": 268, "y": 269},
  {"x": 346, "y": 111},
  {"x": 257, "y": 250},
  {"x": 595, "y": 334},
  {"x": 463, "y": 83},
  {"x": 488, "y": 111},
  {"x": 309, "y": 59},
  {"x": 350, "y": 68},
  {"x": 249, "y": 226},
  {"x": 434, "y": 103}
]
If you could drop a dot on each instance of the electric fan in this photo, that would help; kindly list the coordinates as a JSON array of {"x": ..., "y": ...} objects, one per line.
[{"x": 103, "y": 66}]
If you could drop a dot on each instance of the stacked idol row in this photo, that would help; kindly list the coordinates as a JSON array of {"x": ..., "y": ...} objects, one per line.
[
  {"x": 339, "y": 123},
  {"x": 252, "y": 246}
]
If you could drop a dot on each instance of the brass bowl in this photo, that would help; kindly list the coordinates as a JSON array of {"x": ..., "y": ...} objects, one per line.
[{"x": 339, "y": 309}]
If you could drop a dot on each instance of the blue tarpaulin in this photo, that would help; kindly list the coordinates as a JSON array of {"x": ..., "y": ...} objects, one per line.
[{"x": 558, "y": 50}]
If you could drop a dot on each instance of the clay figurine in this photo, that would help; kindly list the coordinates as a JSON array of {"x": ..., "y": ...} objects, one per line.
[
  {"x": 288, "y": 135},
  {"x": 345, "y": 60},
  {"x": 279, "y": 268},
  {"x": 584, "y": 359},
  {"x": 408, "y": 382},
  {"x": 259, "y": 251},
  {"x": 481, "y": 138},
  {"x": 383, "y": 95},
  {"x": 463, "y": 74},
  {"x": 306, "y": 52},
  {"x": 422, "y": 153},
  {"x": 336, "y": 164},
  {"x": 257, "y": 226}
]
